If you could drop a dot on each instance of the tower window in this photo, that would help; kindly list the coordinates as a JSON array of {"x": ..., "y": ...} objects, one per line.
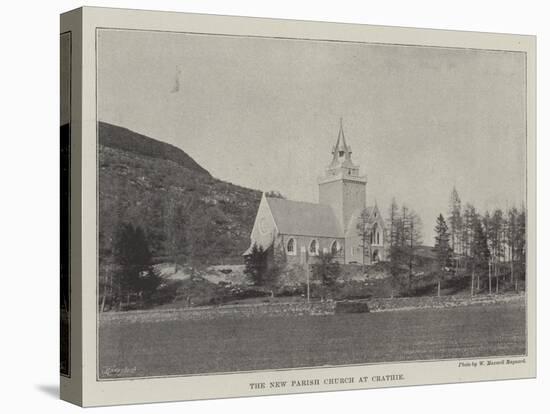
[{"x": 341, "y": 153}]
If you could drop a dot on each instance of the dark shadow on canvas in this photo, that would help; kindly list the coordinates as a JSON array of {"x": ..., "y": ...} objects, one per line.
[{"x": 51, "y": 390}]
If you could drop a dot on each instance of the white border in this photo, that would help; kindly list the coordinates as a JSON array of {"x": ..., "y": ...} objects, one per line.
[{"x": 216, "y": 386}]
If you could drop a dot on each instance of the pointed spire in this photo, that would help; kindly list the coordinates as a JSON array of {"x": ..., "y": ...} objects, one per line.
[
  {"x": 341, "y": 141},
  {"x": 341, "y": 157}
]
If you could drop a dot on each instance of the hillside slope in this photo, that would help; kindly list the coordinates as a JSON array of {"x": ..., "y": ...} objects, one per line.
[
  {"x": 126, "y": 140},
  {"x": 186, "y": 213}
]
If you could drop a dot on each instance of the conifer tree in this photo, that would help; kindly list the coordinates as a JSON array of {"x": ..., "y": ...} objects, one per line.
[
  {"x": 520, "y": 242},
  {"x": 395, "y": 246},
  {"x": 394, "y": 221},
  {"x": 511, "y": 229},
  {"x": 325, "y": 270},
  {"x": 135, "y": 274},
  {"x": 495, "y": 231},
  {"x": 412, "y": 239},
  {"x": 364, "y": 233},
  {"x": 455, "y": 221},
  {"x": 256, "y": 265},
  {"x": 479, "y": 249},
  {"x": 470, "y": 217},
  {"x": 442, "y": 248}
]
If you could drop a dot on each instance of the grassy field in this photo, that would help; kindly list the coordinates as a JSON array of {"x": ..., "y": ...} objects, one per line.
[{"x": 243, "y": 344}]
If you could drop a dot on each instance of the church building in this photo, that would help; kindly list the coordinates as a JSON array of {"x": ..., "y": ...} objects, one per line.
[{"x": 301, "y": 230}]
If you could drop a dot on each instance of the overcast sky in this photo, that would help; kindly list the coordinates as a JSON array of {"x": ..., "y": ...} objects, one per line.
[{"x": 264, "y": 113}]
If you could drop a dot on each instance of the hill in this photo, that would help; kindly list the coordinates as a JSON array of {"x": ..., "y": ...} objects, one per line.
[
  {"x": 125, "y": 140},
  {"x": 186, "y": 213}
]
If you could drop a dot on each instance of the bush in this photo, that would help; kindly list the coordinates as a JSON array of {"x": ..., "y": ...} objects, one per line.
[
  {"x": 289, "y": 291},
  {"x": 166, "y": 293}
]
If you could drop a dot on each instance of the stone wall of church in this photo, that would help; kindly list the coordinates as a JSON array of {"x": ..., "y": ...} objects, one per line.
[
  {"x": 302, "y": 244},
  {"x": 263, "y": 230},
  {"x": 351, "y": 250},
  {"x": 330, "y": 194},
  {"x": 354, "y": 199}
]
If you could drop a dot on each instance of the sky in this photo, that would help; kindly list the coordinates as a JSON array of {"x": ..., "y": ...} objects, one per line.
[{"x": 264, "y": 113}]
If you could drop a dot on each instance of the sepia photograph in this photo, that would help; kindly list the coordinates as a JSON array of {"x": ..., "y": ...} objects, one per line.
[{"x": 271, "y": 203}]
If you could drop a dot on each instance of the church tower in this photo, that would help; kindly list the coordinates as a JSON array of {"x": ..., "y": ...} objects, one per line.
[{"x": 342, "y": 187}]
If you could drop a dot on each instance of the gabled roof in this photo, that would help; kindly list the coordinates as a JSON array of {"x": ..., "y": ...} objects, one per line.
[
  {"x": 305, "y": 219},
  {"x": 371, "y": 216},
  {"x": 370, "y": 210}
]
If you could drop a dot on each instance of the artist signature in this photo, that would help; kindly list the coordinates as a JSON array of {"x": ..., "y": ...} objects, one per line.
[{"x": 116, "y": 371}]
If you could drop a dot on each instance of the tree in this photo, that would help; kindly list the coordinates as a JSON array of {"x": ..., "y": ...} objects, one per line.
[
  {"x": 479, "y": 249},
  {"x": 511, "y": 238},
  {"x": 412, "y": 239},
  {"x": 364, "y": 233},
  {"x": 495, "y": 232},
  {"x": 177, "y": 223},
  {"x": 325, "y": 270},
  {"x": 207, "y": 238},
  {"x": 405, "y": 239},
  {"x": 255, "y": 265},
  {"x": 487, "y": 225},
  {"x": 470, "y": 216},
  {"x": 395, "y": 248},
  {"x": 135, "y": 274},
  {"x": 273, "y": 270},
  {"x": 455, "y": 220},
  {"x": 394, "y": 222},
  {"x": 402, "y": 226},
  {"x": 519, "y": 242},
  {"x": 442, "y": 248}
]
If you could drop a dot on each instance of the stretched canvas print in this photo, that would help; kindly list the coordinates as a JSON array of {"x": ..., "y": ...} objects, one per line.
[{"x": 258, "y": 206}]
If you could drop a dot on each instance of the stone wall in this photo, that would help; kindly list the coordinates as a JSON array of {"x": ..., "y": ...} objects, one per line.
[
  {"x": 303, "y": 308},
  {"x": 390, "y": 304},
  {"x": 212, "y": 312}
]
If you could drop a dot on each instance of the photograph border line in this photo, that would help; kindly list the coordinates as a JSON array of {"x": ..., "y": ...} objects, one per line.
[{"x": 101, "y": 28}]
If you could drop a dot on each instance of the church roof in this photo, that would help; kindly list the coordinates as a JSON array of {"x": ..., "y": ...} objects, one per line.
[
  {"x": 305, "y": 219},
  {"x": 372, "y": 217}
]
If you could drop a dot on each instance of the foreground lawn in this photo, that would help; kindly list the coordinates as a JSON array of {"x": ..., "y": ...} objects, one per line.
[{"x": 244, "y": 344}]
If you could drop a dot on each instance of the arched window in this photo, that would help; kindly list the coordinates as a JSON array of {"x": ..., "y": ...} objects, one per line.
[
  {"x": 335, "y": 248},
  {"x": 377, "y": 237},
  {"x": 291, "y": 246},
  {"x": 314, "y": 247}
]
